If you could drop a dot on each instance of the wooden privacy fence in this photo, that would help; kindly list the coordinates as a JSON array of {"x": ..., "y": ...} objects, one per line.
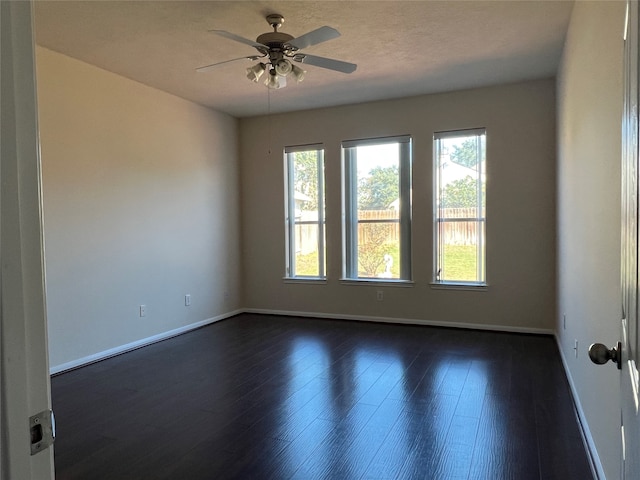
[
  {"x": 378, "y": 226},
  {"x": 371, "y": 231},
  {"x": 459, "y": 232}
]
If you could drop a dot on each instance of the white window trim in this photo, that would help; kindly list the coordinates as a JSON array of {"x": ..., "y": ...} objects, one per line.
[
  {"x": 290, "y": 207},
  {"x": 469, "y": 287},
  {"x": 349, "y": 210},
  {"x": 383, "y": 282},
  {"x": 305, "y": 279},
  {"x": 456, "y": 284}
]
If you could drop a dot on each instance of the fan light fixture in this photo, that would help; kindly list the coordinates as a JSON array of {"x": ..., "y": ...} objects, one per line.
[
  {"x": 283, "y": 67},
  {"x": 280, "y": 49},
  {"x": 274, "y": 80},
  {"x": 254, "y": 73},
  {"x": 297, "y": 73},
  {"x": 280, "y": 70}
]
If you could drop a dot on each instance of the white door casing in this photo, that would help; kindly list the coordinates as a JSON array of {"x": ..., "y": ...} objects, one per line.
[{"x": 24, "y": 372}]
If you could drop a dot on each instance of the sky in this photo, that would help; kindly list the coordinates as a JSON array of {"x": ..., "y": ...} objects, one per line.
[{"x": 372, "y": 156}]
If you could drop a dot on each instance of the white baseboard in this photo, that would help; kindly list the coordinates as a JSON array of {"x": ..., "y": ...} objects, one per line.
[
  {"x": 587, "y": 438},
  {"x": 112, "y": 352},
  {"x": 408, "y": 321},
  {"x": 96, "y": 357}
]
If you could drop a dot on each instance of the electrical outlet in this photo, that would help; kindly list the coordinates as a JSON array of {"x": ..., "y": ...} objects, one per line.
[
  {"x": 143, "y": 310},
  {"x": 564, "y": 321},
  {"x": 380, "y": 295},
  {"x": 575, "y": 347},
  {"x": 187, "y": 300}
]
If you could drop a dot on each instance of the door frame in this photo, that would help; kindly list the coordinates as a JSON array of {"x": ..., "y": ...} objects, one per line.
[
  {"x": 24, "y": 369},
  {"x": 629, "y": 344}
]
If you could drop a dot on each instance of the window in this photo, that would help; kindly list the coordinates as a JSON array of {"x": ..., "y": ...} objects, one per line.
[
  {"x": 460, "y": 211},
  {"x": 377, "y": 209},
  {"x": 304, "y": 211}
]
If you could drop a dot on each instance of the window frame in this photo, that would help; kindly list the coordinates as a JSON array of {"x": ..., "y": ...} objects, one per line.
[
  {"x": 290, "y": 220},
  {"x": 350, "y": 208},
  {"x": 480, "y": 218}
]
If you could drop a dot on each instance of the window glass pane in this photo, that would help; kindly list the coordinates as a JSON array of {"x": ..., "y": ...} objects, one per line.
[
  {"x": 461, "y": 258},
  {"x": 378, "y": 177},
  {"x": 460, "y": 206},
  {"x": 305, "y": 220},
  {"x": 378, "y": 193},
  {"x": 307, "y": 250},
  {"x": 379, "y": 250}
]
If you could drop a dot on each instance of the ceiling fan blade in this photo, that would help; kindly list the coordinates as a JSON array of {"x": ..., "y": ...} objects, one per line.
[
  {"x": 208, "y": 68},
  {"x": 238, "y": 38},
  {"x": 314, "y": 37},
  {"x": 337, "y": 65}
]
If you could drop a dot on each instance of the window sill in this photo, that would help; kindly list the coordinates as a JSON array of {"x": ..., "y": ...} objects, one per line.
[
  {"x": 373, "y": 281},
  {"x": 459, "y": 286},
  {"x": 310, "y": 280}
]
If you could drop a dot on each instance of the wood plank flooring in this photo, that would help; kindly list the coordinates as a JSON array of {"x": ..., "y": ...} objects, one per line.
[{"x": 268, "y": 397}]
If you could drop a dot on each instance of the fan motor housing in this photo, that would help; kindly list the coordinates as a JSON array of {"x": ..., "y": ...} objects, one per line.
[{"x": 274, "y": 39}]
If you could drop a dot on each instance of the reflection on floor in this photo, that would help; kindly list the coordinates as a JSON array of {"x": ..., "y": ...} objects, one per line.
[{"x": 267, "y": 397}]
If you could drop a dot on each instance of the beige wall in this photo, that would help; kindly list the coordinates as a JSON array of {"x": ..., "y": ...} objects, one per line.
[
  {"x": 589, "y": 124},
  {"x": 141, "y": 207},
  {"x": 520, "y": 122}
]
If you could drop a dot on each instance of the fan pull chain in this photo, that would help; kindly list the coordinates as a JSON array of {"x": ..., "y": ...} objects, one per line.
[{"x": 269, "y": 119}]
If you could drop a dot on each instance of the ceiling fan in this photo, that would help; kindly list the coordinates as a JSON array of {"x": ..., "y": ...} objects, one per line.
[{"x": 280, "y": 48}]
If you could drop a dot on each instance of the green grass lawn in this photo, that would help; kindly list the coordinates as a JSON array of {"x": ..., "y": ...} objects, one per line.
[
  {"x": 459, "y": 263},
  {"x": 307, "y": 265}
]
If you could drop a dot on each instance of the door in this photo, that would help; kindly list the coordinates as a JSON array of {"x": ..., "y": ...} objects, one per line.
[
  {"x": 625, "y": 354},
  {"x": 629, "y": 326},
  {"x": 24, "y": 375}
]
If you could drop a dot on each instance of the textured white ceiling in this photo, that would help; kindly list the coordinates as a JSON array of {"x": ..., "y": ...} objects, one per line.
[{"x": 402, "y": 48}]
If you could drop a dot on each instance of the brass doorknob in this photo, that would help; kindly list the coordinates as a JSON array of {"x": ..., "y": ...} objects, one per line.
[{"x": 600, "y": 354}]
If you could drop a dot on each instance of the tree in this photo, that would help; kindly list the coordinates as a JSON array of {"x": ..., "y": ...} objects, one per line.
[
  {"x": 466, "y": 154},
  {"x": 461, "y": 194},
  {"x": 379, "y": 189},
  {"x": 305, "y": 178},
  {"x": 372, "y": 251}
]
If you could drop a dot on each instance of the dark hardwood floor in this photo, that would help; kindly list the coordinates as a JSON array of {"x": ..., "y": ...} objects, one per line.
[{"x": 268, "y": 397}]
